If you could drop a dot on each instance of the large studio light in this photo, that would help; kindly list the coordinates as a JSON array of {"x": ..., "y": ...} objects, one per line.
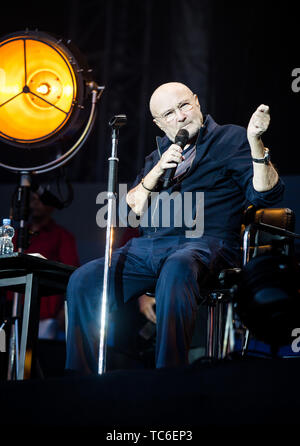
[
  {"x": 37, "y": 89},
  {"x": 44, "y": 89},
  {"x": 268, "y": 300},
  {"x": 47, "y": 110}
]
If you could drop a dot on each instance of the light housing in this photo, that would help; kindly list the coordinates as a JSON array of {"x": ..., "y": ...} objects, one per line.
[
  {"x": 268, "y": 299},
  {"x": 44, "y": 88}
]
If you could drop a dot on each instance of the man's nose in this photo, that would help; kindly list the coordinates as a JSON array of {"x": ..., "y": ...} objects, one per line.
[{"x": 180, "y": 115}]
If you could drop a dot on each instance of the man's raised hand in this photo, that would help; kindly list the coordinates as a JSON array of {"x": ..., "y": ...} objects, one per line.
[{"x": 259, "y": 122}]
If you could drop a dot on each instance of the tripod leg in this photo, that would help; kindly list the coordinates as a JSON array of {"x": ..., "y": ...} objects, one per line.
[
  {"x": 220, "y": 310},
  {"x": 246, "y": 342},
  {"x": 210, "y": 330},
  {"x": 12, "y": 354},
  {"x": 17, "y": 346},
  {"x": 13, "y": 358},
  {"x": 232, "y": 329},
  {"x": 30, "y": 322},
  {"x": 226, "y": 333}
]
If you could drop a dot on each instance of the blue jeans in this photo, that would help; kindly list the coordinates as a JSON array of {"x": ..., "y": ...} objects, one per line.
[{"x": 172, "y": 266}]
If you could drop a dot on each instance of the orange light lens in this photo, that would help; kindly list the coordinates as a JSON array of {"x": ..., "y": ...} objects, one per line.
[{"x": 37, "y": 89}]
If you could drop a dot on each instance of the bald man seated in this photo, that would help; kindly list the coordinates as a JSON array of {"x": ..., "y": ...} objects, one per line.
[{"x": 189, "y": 229}]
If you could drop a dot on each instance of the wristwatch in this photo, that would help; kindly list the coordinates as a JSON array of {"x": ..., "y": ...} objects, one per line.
[{"x": 265, "y": 160}]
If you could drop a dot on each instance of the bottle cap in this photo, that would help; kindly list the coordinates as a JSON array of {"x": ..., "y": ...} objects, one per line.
[{"x": 6, "y": 221}]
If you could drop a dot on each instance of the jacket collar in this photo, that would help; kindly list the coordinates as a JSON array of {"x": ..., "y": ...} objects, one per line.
[{"x": 163, "y": 142}]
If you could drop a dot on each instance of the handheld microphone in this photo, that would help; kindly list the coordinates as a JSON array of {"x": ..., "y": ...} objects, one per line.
[{"x": 181, "y": 139}]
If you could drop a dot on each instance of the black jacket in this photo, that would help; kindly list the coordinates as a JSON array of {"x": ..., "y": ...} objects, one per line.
[{"x": 222, "y": 169}]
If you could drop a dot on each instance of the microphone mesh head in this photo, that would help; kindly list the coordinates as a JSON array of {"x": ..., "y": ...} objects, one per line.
[{"x": 182, "y": 137}]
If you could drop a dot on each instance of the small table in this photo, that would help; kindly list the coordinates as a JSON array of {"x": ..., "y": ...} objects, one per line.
[{"x": 35, "y": 277}]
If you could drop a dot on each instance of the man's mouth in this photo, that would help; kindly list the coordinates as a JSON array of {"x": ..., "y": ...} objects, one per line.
[{"x": 184, "y": 126}]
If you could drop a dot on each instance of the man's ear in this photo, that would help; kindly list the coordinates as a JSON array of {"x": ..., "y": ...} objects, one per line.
[
  {"x": 157, "y": 123},
  {"x": 196, "y": 99}
]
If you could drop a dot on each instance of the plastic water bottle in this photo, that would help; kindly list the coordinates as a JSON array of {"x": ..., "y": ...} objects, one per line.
[
  {"x": 6, "y": 233},
  {"x": 1, "y": 239}
]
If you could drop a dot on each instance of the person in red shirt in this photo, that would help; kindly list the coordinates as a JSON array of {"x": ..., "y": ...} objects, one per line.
[{"x": 54, "y": 242}]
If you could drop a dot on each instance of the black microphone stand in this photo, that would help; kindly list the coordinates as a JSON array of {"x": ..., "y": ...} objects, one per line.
[{"x": 115, "y": 123}]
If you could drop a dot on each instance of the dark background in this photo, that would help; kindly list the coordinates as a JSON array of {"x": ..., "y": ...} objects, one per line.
[{"x": 234, "y": 55}]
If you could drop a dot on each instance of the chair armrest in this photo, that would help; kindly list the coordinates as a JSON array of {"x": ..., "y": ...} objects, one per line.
[
  {"x": 275, "y": 230},
  {"x": 229, "y": 277},
  {"x": 279, "y": 217}
]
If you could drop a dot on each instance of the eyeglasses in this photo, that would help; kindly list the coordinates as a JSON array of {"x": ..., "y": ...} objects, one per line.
[{"x": 171, "y": 114}]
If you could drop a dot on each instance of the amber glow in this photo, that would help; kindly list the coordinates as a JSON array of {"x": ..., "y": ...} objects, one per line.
[
  {"x": 37, "y": 89},
  {"x": 47, "y": 86},
  {"x": 43, "y": 89}
]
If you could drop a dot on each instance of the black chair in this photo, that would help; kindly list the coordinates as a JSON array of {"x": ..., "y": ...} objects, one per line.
[{"x": 263, "y": 231}]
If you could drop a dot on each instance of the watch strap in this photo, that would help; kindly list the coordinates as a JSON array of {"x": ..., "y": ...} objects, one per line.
[{"x": 264, "y": 160}]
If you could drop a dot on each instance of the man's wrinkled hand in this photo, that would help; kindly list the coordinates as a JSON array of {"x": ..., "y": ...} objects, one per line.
[
  {"x": 259, "y": 122},
  {"x": 146, "y": 306},
  {"x": 170, "y": 158}
]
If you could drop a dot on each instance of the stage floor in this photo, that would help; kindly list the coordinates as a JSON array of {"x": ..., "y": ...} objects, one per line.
[{"x": 227, "y": 392}]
